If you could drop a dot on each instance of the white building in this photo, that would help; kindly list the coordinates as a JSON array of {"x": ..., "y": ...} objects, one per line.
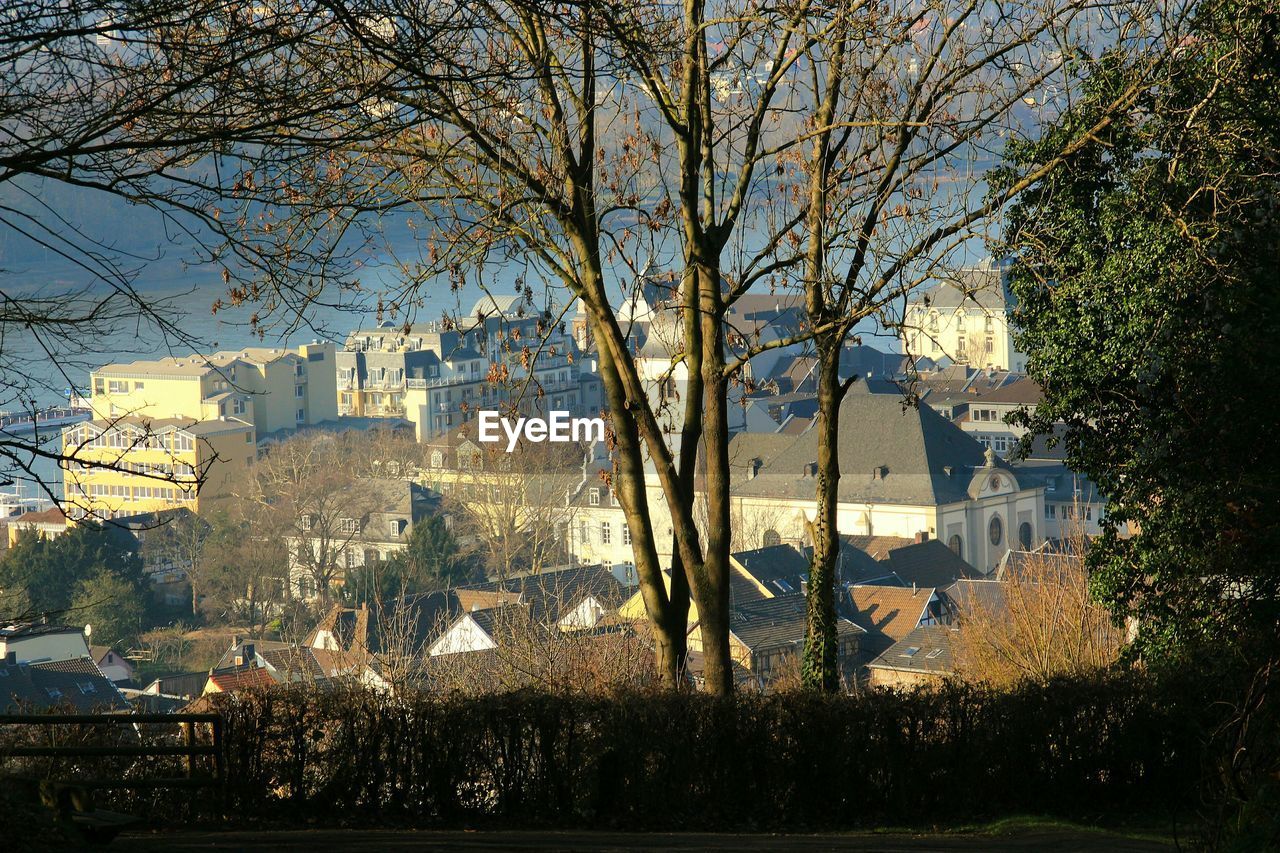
[
  {"x": 964, "y": 319},
  {"x": 903, "y": 472}
]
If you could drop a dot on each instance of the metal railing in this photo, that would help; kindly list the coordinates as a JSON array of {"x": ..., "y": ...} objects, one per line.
[{"x": 190, "y": 747}]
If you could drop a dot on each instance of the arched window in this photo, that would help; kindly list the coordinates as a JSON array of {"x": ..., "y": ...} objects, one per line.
[
  {"x": 771, "y": 537},
  {"x": 957, "y": 545},
  {"x": 995, "y": 530},
  {"x": 1024, "y": 535}
]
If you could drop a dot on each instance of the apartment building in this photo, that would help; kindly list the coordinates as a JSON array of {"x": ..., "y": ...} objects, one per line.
[
  {"x": 502, "y": 352},
  {"x": 170, "y": 417},
  {"x": 273, "y": 388},
  {"x": 133, "y": 464},
  {"x": 964, "y": 318}
]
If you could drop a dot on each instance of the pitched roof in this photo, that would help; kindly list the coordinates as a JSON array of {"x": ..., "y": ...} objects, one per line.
[
  {"x": 1024, "y": 392},
  {"x": 779, "y": 568},
  {"x": 773, "y": 622},
  {"x": 77, "y": 683},
  {"x": 927, "y": 649},
  {"x": 983, "y": 595},
  {"x": 889, "y": 453},
  {"x": 185, "y": 684},
  {"x": 978, "y": 287},
  {"x": 893, "y": 611},
  {"x": 928, "y": 564},
  {"x": 243, "y": 678}
]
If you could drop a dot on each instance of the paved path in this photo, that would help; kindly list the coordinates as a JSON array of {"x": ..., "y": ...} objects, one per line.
[{"x": 401, "y": 841}]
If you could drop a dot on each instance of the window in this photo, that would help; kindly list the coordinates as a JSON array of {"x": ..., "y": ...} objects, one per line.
[
  {"x": 248, "y": 438},
  {"x": 626, "y": 534},
  {"x": 238, "y": 407},
  {"x": 584, "y": 531},
  {"x": 396, "y": 527},
  {"x": 990, "y": 345},
  {"x": 350, "y": 525},
  {"x": 995, "y": 530},
  {"x": 606, "y": 533},
  {"x": 300, "y": 369},
  {"x": 1050, "y": 511},
  {"x": 138, "y": 386},
  {"x": 593, "y": 497},
  {"x": 299, "y": 390},
  {"x": 956, "y": 544},
  {"x": 437, "y": 459},
  {"x": 933, "y": 322},
  {"x": 302, "y": 415},
  {"x": 1024, "y": 535}
]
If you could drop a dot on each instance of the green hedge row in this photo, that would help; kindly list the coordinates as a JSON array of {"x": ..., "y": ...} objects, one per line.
[{"x": 1071, "y": 747}]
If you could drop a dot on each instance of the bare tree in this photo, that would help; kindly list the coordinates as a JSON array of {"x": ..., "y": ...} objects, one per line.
[
  {"x": 515, "y": 507},
  {"x": 914, "y": 107},
  {"x": 1040, "y": 621},
  {"x": 306, "y": 490}
]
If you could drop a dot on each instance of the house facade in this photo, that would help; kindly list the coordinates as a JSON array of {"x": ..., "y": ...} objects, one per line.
[
  {"x": 133, "y": 464},
  {"x": 965, "y": 319},
  {"x": 905, "y": 471}
]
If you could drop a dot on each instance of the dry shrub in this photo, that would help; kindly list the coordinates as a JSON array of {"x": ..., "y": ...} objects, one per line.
[{"x": 1043, "y": 623}]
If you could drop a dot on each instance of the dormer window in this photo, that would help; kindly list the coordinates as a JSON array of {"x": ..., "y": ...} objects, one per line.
[
  {"x": 593, "y": 497},
  {"x": 396, "y": 527},
  {"x": 350, "y": 525}
]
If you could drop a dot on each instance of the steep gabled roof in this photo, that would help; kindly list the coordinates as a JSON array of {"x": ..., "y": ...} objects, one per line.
[
  {"x": 774, "y": 622},
  {"x": 893, "y": 611},
  {"x": 929, "y": 564},
  {"x": 889, "y": 453},
  {"x": 928, "y": 649},
  {"x": 779, "y": 568},
  {"x": 77, "y": 683}
]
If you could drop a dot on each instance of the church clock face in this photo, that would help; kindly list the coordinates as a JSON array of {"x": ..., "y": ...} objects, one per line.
[{"x": 995, "y": 530}]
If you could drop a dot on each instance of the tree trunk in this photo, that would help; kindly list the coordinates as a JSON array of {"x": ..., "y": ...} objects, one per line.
[
  {"x": 821, "y": 644},
  {"x": 713, "y": 592}
]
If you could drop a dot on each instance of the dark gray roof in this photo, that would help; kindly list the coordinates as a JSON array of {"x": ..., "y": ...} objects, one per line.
[
  {"x": 1022, "y": 392},
  {"x": 910, "y": 447},
  {"x": 929, "y": 563},
  {"x": 75, "y": 683},
  {"x": 927, "y": 649},
  {"x": 773, "y": 622},
  {"x": 780, "y": 568},
  {"x": 972, "y": 288},
  {"x": 986, "y": 596}
]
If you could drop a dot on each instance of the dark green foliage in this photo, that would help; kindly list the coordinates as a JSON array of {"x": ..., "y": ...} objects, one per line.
[
  {"x": 1146, "y": 275},
  {"x": 45, "y": 573},
  {"x": 431, "y": 560},
  {"x": 681, "y": 760}
]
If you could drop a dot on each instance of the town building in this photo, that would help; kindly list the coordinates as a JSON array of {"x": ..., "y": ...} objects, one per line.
[
  {"x": 905, "y": 470},
  {"x": 175, "y": 431},
  {"x": 270, "y": 388},
  {"x": 926, "y": 656},
  {"x": 964, "y": 318},
  {"x": 134, "y": 464},
  {"x": 370, "y": 524},
  {"x": 503, "y": 353}
]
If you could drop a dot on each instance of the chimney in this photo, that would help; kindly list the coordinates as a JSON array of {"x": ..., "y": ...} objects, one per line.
[
  {"x": 11, "y": 658},
  {"x": 921, "y": 536},
  {"x": 249, "y": 653}
]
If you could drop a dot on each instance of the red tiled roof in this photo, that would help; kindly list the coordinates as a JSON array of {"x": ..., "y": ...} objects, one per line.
[{"x": 242, "y": 679}]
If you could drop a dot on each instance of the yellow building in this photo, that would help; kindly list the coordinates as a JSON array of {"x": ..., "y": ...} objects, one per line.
[
  {"x": 155, "y": 463},
  {"x": 271, "y": 388}
]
